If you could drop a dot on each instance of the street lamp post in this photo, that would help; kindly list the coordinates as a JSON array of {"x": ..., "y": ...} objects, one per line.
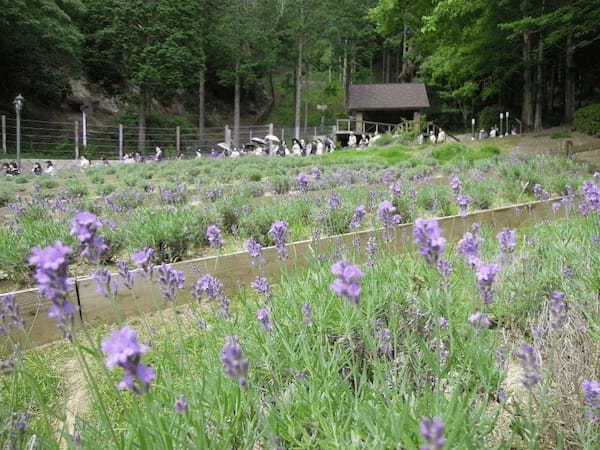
[
  {"x": 18, "y": 107},
  {"x": 473, "y": 128},
  {"x": 501, "y": 122},
  {"x": 507, "y": 125}
]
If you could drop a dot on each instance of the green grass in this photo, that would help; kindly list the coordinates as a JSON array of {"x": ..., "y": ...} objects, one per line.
[
  {"x": 391, "y": 155},
  {"x": 451, "y": 152},
  {"x": 560, "y": 135}
]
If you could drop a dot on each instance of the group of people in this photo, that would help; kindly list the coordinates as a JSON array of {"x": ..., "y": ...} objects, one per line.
[
  {"x": 299, "y": 148},
  {"x": 494, "y": 132},
  {"x": 435, "y": 136},
  {"x": 11, "y": 169},
  {"x": 85, "y": 162},
  {"x": 365, "y": 140}
]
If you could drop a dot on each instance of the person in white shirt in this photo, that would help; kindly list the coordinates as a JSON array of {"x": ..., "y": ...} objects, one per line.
[
  {"x": 84, "y": 162},
  {"x": 352, "y": 141},
  {"x": 320, "y": 147},
  {"x": 198, "y": 154},
  {"x": 235, "y": 153},
  {"x": 432, "y": 138},
  {"x": 441, "y": 137},
  {"x": 49, "y": 168}
]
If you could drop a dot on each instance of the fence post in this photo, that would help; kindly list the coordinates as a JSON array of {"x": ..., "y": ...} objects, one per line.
[
  {"x": 120, "y": 141},
  {"x": 315, "y": 131},
  {"x": 4, "y": 134},
  {"x": 76, "y": 139},
  {"x": 271, "y": 128},
  {"x": 283, "y": 135},
  {"x": 178, "y": 139},
  {"x": 227, "y": 135},
  {"x": 250, "y": 134},
  {"x": 84, "y": 129}
]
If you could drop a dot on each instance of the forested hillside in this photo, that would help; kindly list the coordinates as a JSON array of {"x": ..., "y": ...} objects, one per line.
[{"x": 537, "y": 59}]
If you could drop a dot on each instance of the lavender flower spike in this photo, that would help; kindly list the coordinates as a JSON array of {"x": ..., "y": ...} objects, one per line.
[
  {"x": 143, "y": 259},
  {"x": 181, "y": 404},
  {"x": 530, "y": 362},
  {"x": 307, "y": 311},
  {"x": 169, "y": 280},
  {"x": 463, "y": 202},
  {"x": 347, "y": 284},
  {"x": 10, "y": 314},
  {"x": 558, "y": 310},
  {"x": 106, "y": 286},
  {"x": 591, "y": 396},
  {"x": 432, "y": 431},
  {"x": 214, "y": 237},
  {"x": 235, "y": 366},
  {"x": 263, "y": 317},
  {"x": 85, "y": 226},
  {"x": 51, "y": 274},
  {"x": 255, "y": 251},
  {"x": 359, "y": 213},
  {"x": 479, "y": 321},
  {"x": 508, "y": 240},
  {"x": 261, "y": 284},
  {"x": 278, "y": 232},
  {"x": 126, "y": 274},
  {"x": 456, "y": 185},
  {"x": 123, "y": 350},
  {"x": 302, "y": 182},
  {"x": 486, "y": 273},
  {"x": 429, "y": 237}
]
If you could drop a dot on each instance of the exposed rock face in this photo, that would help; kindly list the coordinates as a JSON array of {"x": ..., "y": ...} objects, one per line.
[{"x": 82, "y": 95}]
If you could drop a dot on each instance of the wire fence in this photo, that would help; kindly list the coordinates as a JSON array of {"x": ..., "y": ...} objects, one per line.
[{"x": 69, "y": 140}]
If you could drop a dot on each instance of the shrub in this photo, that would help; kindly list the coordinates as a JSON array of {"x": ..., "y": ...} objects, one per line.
[
  {"x": 280, "y": 184},
  {"x": 560, "y": 135},
  {"x": 587, "y": 119},
  {"x": 76, "y": 188},
  {"x": 490, "y": 116}
]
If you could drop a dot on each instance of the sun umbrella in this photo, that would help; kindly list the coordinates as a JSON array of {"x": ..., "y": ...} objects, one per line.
[
  {"x": 223, "y": 145},
  {"x": 258, "y": 140},
  {"x": 271, "y": 137}
]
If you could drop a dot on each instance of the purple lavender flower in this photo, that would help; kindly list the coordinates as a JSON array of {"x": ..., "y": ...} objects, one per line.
[
  {"x": 105, "y": 285},
  {"x": 51, "y": 274},
  {"x": 214, "y": 237},
  {"x": 479, "y": 321},
  {"x": 255, "y": 251},
  {"x": 372, "y": 247},
  {"x": 261, "y": 284},
  {"x": 429, "y": 237},
  {"x": 316, "y": 173},
  {"x": 432, "y": 431},
  {"x": 181, "y": 404},
  {"x": 463, "y": 202},
  {"x": 334, "y": 201},
  {"x": 486, "y": 273},
  {"x": 558, "y": 310},
  {"x": 209, "y": 286},
  {"x": 396, "y": 190},
  {"x": 385, "y": 345},
  {"x": 263, "y": 317},
  {"x": 508, "y": 241},
  {"x": 169, "y": 280},
  {"x": 530, "y": 362},
  {"x": 125, "y": 274},
  {"x": 556, "y": 207},
  {"x": 278, "y": 233},
  {"x": 85, "y": 226},
  {"x": 456, "y": 185},
  {"x": 347, "y": 284},
  {"x": 302, "y": 182},
  {"x": 591, "y": 198},
  {"x": 235, "y": 366},
  {"x": 540, "y": 193},
  {"x": 591, "y": 399},
  {"x": 359, "y": 213},
  {"x": 143, "y": 259},
  {"x": 568, "y": 272},
  {"x": 501, "y": 358},
  {"x": 386, "y": 213},
  {"x": 10, "y": 314},
  {"x": 307, "y": 311},
  {"x": 443, "y": 322},
  {"x": 445, "y": 268},
  {"x": 123, "y": 349}
]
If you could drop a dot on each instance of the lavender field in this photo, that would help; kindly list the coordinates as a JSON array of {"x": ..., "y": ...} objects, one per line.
[{"x": 491, "y": 341}]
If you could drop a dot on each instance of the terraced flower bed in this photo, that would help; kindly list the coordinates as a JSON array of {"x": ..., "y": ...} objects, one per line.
[{"x": 170, "y": 206}]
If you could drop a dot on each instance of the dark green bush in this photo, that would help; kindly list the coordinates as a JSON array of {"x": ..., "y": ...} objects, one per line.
[
  {"x": 490, "y": 116},
  {"x": 587, "y": 119}
]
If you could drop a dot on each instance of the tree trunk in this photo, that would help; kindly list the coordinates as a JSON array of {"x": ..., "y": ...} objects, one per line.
[
  {"x": 569, "y": 81},
  {"x": 550, "y": 90},
  {"x": 527, "y": 104},
  {"x": 236, "y": 107},
  {"x": 539, "y": 97},
  {"x": 345, "y": 74},
  {"x": 201, "y": 95},
  {"x": 142, "y": 111},
  {"x": 298, "y": 90}
]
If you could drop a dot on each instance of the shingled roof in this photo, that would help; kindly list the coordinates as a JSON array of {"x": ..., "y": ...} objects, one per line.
[{"x": 363, "y": 97}]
